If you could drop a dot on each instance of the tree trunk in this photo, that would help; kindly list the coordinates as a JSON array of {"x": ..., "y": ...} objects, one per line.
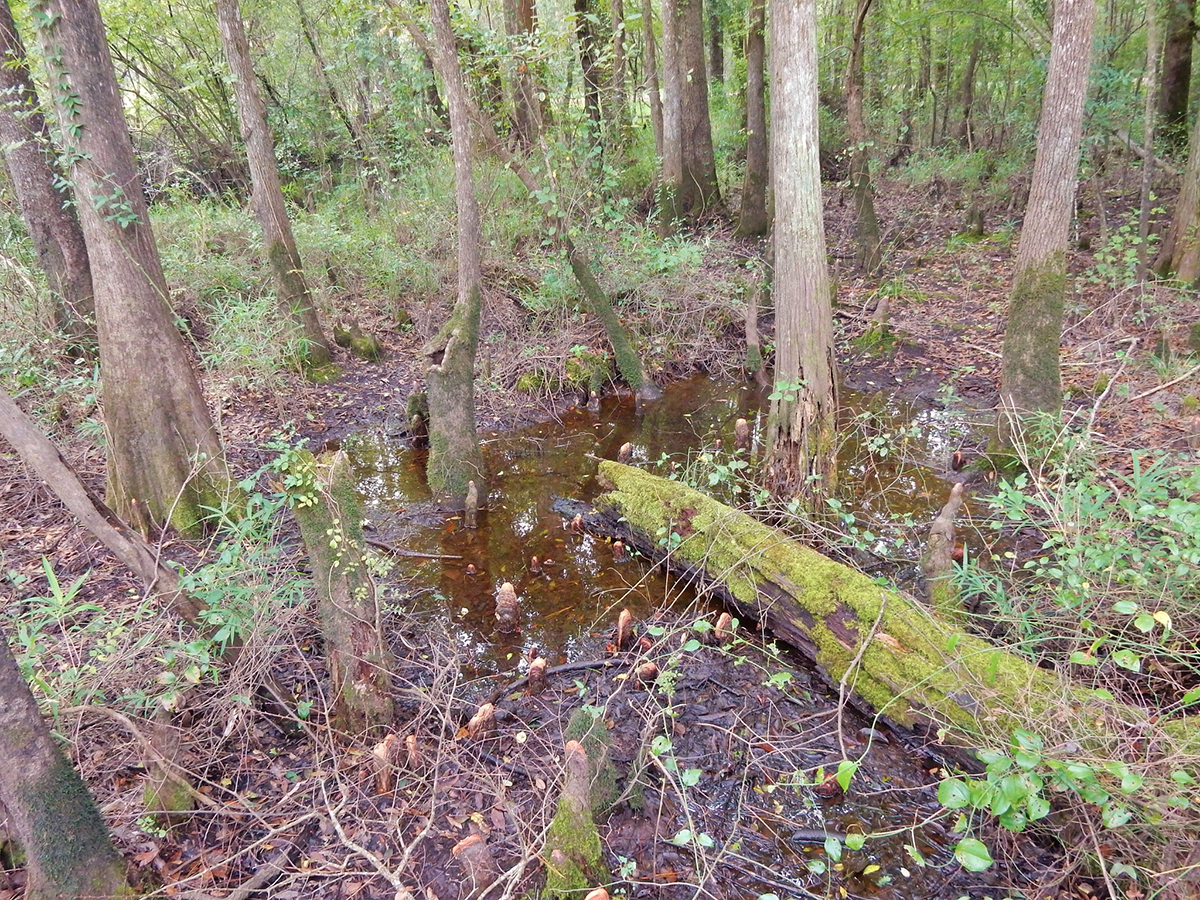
[
  {"x": 651, "y": 83},
  {"x": 699, "y": 184},
  {"x": 432, "y": 99},
  {"x": 454, "y": 454},
  {"x": 165, "y": 462},
  {"x": 670, "y": 187},
  {"x": 1177, "y": 69},
  {"x": 267, "y": 196},
  {"x": 527, "y": 111},
  {"x": 1180, "y": 251},
  {"x": 800, "y": 427},
  {"x": 868, "y": 256},
  {"x": 68, "y": 851},
  {"x": 585, "y": 34},
  {"x": 1149, "y": 123},
  {"x": 619, "y": 125},
  {"x": 1030, "y": 379},
  {"x": 360, "y": 665},
  {"x": 716, "y": 47},
  {"x": 966, "y": 126},
  {"x": 918, "y": 670},
  {"x": 52, "y": 225},
  {"x": 753, "y": 220}
]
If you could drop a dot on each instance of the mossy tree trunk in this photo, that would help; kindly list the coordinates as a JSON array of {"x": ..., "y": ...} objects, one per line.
[
  {"x": 360, "y": 664},
  {"x": 67, "y": 847},
  {"x": 51, "y": 222},
  {"x": 454, "y": 454},
  {"x": 266, "y": 196},
  {"x": 866, "y": 231},
  {"x": 918, "y": 670},
  {"x": 165, "y": 463},
  {"x": 1030, "y": 378},
  {"x": 753, "y": 221},
  {"x": 800, "y": 427}
]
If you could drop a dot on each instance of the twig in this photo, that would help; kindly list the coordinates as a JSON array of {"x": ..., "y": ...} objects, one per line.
[
  {"x": 852, "y": 668},
  {"x": 272, "y": 869},
  {"x": 556, "y": 670},
  {"x": 414, "y": 554},
  {"x": 1154, "y": 390},
  {"x": 1111, "y": 384}
]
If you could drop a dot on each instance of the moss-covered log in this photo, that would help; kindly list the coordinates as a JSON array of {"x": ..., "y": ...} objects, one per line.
[
  {"x": 360, "y": 664},
  {"x": 918, "y": 670}
]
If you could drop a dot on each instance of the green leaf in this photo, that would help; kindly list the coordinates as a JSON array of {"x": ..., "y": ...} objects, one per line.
[
  {"x": 1037, "y": 807},
  {"x": 833, "y": 848},
  {"x": 845, "y": 772},
  {"x": 1127, "y": 659},
  {"x": 953, "y": 794},
  {"x": 855, "y": 840},
  {"x": 972, "y": 855},
  {"x": 690, "y": 777},
  {"x": 916, "y": 854},
  {"x": 691, "y": 646},
  {"x": 1114, "y": 815},
  {"x": 682, "y": 838},
  {"x": 1125, "y": 607}
]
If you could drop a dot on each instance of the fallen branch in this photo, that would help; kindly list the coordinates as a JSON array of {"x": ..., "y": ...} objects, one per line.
[{"x": 411, "y": 554}]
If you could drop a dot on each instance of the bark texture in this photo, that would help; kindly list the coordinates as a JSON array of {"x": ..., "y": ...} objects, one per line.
[
  {"x": 800, "y": 426},
  {"x": 753, "y": 220},
  {"x": 1175, "y": 86},
  {"x": 266, "y": 196},
  {"x": 360, "y": 665},
  {"x": 700, "y": 191},
  {"x": 585, "y": 36},
  {"x": 454, "y": 455},
  {"x": 53, "y": 227},
  {"x": 1179, "y": 254},
  {"x": 68, "y": 851},
  {"x": 165, "y": 463},
  {"x": 1030, "y": 379},
  {"x": 618, "y": 116},
  {"x": 866, "y": 230}
]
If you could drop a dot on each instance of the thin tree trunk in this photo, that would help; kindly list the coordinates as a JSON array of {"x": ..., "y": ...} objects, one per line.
[
  {"x": 651, "y": 80},
  {"x": 700, "y": 191},
  {"x": 165, "y": 461},
  {"x": 527, "y": 111},
  {"x": 267, "y": 196},
  {"x": 1153, "y": 52},
  {"x": 619, "y": 123},
  {"x": 867, "y": 225},
  {"x": 585, "y": 34},
  {"x": 1177, "y": 69},
  {"x": 454, "y": 455},
  {"x": 68, "y": 850},
  {"x": 432, "y": 98},
  {"x": 966, "y": 126},
  {"x": 52, "y": 225},
  {"x": 800, "y": 427},
  {"x": 753, "y": 220},
  {"x": 716, "y": 47},
  {"x": 1030, "y": 379},
  {"x": 670, "y": 188}
]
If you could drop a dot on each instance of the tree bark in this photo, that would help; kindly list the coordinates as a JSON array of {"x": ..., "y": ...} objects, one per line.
[
  {"x": 68, "y": 850},
  {"x": 266, "y": 195},
  {"x": 753, "y": 220},
  {"x": 454, "y": 455},
  {"x": 966, "y": 126},
  {"x": 619, "y": 124},
  {"x": 1030, "y": 379},
  {"x": 700, "y": 193},
  {"x": 52, "y": 225},
  {"x": 1149, "y": 125},
  {"x": 360, "y": 664},
  {"x": 716, "y": 47},
  {"x": 670, "y": 187},
  {"x": 918, "y": 670},
  {"x": 800, "y": 426},
  {"x": 1179, "y": 254},
  {"x": 165, "y": 461},
  {"x": 527, "y": 110},
  {"x": 585, "y": 35},
  {"x": 1176, "y": 82},
  {"x": 651, "y": 81},
  {"x": 868, "y": 256}
]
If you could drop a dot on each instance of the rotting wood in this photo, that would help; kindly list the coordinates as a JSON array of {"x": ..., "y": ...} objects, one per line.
[
  {"x": 938, "y": 561},
  {"x": 920, "y": 672}
]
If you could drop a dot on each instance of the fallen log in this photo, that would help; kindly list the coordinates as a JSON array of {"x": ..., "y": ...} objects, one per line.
[{"x": 918, "y": 670}]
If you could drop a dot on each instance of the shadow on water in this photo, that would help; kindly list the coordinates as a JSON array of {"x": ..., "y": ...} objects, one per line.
[{"x": 892, "y": 466}]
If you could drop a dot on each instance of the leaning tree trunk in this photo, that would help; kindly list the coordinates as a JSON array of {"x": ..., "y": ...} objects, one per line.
[
  {"x": 800, "y": 427},
  {"x": 266, "y": 195},
  {"x": 1179, "y": 254},
  {"x": 527, "y": 110},
  {"x": 1176, "y": 81},
  {"x": 165, "y": 462},
  {"x": 67, "y": 848},
  {"x": 51, "y": 223},
  {"x": 454, "y": 455},
  {"x": 866, "y": 235},
  {"x": 650, "y": 63},
  {"x": 1030, "y": 379},
  {"x": 753, "y": 220},
  {"x": 360, "y": 664}
]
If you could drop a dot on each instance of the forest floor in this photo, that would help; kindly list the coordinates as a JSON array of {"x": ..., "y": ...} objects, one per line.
[{"x": 275, "y": 786}]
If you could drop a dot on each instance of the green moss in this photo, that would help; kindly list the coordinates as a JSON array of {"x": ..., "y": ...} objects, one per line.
[
  {"x": 325, "y": 374},
  {"x": 574, "y": 856},
  {"x": 586, "y": 725},
  {"x": 1031, "y": 377},
  {"x": 588, "y": 370},
  {"x": 366, "y": 346},
  {"x": 877, "y": 340},
  {"x": 538, "y": 381}
]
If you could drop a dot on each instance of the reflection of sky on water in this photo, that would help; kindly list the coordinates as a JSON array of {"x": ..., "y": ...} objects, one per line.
[{"x": 893, "y": 456}]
